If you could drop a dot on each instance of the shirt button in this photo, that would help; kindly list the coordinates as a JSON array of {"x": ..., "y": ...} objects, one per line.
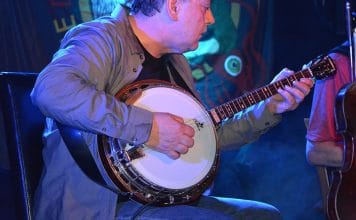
[
  {"x": 134, "y": 69},
  {"x": 141, "y": 56}
]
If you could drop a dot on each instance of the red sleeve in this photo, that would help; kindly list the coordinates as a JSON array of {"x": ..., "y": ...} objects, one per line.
[{"x": 321, "y": 120}]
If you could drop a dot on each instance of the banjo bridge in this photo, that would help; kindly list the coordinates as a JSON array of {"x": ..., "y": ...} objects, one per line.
[{"x": 200, "y": 125}]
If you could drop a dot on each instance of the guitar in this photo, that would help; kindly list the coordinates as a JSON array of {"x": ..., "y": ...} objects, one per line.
[
  {"x": 151, "y": 177},
  {"x": 342, "y": 194}
]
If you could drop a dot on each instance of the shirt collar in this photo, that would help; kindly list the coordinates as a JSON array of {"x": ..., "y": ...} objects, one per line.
[{"x": 120, "y": 13}]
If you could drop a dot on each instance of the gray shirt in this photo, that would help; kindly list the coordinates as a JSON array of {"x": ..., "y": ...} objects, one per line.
[{"x": 95, "y": 60}]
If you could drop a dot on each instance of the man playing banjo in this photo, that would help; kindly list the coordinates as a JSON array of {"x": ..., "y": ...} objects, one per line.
[{"x": 79, "y": 88}]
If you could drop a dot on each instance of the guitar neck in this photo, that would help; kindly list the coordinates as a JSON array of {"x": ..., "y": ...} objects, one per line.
[{"x": 229, "y": 109}]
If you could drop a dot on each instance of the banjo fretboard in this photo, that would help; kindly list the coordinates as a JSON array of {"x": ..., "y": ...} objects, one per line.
[{"x": 227, "y": 110}]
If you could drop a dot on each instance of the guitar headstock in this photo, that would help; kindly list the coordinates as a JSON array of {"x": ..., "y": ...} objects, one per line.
[{"x": 322, "y": 67}]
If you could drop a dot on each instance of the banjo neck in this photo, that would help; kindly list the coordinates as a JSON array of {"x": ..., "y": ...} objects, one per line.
[
  {"x": 229, "y": 109},
  {"x": 319, "y": 69}
]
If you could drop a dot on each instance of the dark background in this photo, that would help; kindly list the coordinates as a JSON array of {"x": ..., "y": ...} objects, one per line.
[{"x": 273, "y": 169}]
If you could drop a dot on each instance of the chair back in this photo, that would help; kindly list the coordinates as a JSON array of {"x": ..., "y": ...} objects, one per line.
[{"x": 23, "y": 125}]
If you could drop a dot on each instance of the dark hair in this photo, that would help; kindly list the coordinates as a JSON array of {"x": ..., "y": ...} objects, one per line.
[{"x": 147, "y": 7}]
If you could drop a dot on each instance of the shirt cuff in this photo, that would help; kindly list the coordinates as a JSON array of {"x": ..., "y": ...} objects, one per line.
[
  {"x": 138, "y": 127},
  {"x": 264, "y": 117}
]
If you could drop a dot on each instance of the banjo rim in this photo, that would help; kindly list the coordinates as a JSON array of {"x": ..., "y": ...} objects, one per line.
[{"x": 128, "y": 179}]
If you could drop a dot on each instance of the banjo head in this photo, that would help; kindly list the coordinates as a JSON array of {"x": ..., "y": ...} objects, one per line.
[{"x": 192, "y": 167}]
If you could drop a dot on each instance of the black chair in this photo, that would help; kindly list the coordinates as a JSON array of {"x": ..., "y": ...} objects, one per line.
[{"x": 23, "y": 125}]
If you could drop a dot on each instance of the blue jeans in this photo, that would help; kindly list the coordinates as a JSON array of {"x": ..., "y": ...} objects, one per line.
[{"x": 206, "y": 208}]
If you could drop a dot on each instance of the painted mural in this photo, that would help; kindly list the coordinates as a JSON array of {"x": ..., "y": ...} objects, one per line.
[{"x": 232, "y": 57}]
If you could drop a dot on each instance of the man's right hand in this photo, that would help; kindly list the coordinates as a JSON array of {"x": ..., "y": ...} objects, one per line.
[{"x": 170, "y": 135}]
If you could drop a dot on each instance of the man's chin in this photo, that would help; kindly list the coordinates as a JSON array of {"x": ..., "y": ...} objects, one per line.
[
  {"x": 190, "y": 48},
  {"x": 194, "y": 47}
]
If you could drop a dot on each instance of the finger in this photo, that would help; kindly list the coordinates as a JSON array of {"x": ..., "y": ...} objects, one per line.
[
  {"x": 181, "y": 149},
  {"x": 304, "y": 88},
  {"x": 287, "y": 96},
  {"x": 310, "y": 82},
  {"x": 185, "y": 129},
  {"x": 177, "y": 118},
  {"x": 188, "y": 130},
  {"x": 187, "y": 141},
  {"x": 173, "y": 154},
  {"x": 285, "y": 72},
  {"x": 294, "y": 95}
]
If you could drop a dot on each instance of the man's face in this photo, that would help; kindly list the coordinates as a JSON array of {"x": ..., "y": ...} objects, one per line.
[{"x": 194, "y": 19}]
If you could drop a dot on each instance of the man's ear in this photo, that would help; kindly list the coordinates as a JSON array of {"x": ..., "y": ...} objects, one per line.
[{"x": 173, "y": 8}]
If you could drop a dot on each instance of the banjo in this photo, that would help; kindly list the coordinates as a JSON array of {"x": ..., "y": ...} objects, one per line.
[{"x": 151, "y": 177}]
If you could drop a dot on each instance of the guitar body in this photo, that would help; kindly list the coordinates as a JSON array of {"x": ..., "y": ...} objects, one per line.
[{"x": 342, "y": 194}]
